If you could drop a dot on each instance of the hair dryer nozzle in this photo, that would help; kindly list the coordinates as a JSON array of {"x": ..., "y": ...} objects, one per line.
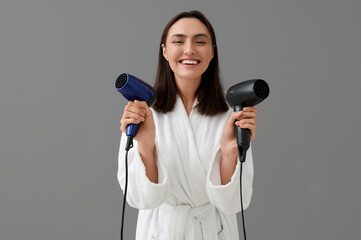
[
  {"x": 261, "y": 88},
  {"x": 121, "y": 80}
]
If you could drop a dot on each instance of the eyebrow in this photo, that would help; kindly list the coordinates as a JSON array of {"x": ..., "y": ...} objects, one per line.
[{"x": 195, "y": 36}]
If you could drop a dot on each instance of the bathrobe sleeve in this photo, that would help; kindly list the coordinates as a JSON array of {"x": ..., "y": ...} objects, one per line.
[
  {"x": 227, "y": 197},
  {"x": 141, "y": 193}
]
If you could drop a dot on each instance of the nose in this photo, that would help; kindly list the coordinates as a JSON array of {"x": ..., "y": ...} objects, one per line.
[{"x": 189, "y": 48}]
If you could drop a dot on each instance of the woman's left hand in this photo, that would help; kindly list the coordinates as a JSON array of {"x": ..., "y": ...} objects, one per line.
[{"x": 243, "y": 119}]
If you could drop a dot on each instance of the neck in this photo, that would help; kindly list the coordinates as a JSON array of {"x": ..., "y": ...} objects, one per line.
[{"x": 187, "y": 89}]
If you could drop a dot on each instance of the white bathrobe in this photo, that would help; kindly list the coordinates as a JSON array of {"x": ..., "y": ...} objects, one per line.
[{"x": 189, "y": 201}]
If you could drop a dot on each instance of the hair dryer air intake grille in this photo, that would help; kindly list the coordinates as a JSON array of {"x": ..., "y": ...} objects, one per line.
[
  {"x": 121, "y": 80},
  {"x": 261, "y": 88}
]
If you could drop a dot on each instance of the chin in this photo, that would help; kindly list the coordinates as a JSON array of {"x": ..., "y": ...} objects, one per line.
[{"x": 190, "y": 75}]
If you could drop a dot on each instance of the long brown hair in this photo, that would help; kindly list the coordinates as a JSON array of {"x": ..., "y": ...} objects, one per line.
[{"x": 210, "y": 95}]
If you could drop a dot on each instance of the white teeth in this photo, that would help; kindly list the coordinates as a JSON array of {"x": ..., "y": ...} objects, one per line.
[{"x": 189, "y": 62}]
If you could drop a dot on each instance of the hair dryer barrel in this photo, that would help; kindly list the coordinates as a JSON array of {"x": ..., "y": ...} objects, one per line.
[
  {"x": 247, "y": 93},
  {"x": 133, "y": 88}
]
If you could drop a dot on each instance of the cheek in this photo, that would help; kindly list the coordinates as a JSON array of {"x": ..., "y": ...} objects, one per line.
[
  {"x": 172, "y": 51},
  {"x": 172, "y": 63},
  {"x": 208, "y": 55}
]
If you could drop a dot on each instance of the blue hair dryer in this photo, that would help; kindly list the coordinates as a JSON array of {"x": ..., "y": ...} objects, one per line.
[{"x": 133, "y": 88}]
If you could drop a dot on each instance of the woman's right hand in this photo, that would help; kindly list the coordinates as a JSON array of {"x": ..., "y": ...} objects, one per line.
[{"x": 138, "y": 112}]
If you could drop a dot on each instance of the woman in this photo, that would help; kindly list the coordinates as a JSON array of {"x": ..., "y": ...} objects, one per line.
[{"x": 183, "y": 168}]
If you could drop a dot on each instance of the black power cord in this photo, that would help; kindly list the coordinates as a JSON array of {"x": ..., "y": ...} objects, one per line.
[
  {"x": 243, "y": 223},
  {"x": 128, "y": 146},
  {"x": 125, "y": 192}
]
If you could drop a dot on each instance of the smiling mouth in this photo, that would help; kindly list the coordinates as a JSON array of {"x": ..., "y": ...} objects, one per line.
[{"x": 189, "y": 62}]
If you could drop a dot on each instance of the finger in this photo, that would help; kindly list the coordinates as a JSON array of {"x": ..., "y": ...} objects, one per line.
[
  {"x": 248, "y": 126},
  {"x": 141, "y": 104},
  {"x": 247, "y": 120},
  {"x": 131, "y": 107},
  {"x": 246, "y": 115},
  {"x": 134, "y": 116},
  {"x": 125, "y": 122},
  {"x": 144, "y": 106},
  {"x": 233, "y": 117},
  {"x": 236, "y": 115},
  {"x": 250, "y": 109},
  {"x": 244, "y": 122}
]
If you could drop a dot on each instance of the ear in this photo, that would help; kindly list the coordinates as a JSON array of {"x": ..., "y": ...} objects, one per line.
[{"x": 164, "y": 51}]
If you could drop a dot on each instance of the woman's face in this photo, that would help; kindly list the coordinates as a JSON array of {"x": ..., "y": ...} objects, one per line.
[{"x": 188, "y": 49}]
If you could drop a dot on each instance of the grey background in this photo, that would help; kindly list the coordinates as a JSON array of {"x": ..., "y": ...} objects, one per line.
[{"x": 60, "y": 113}]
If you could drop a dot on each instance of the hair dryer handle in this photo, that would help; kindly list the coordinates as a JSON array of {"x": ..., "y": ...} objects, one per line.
[
  {"x": 132, "y": 129},
  {"x": 243, "y": 138}
]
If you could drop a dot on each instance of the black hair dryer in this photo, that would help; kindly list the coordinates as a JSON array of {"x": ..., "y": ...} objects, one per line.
[{"x": 246, "y": 94}]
